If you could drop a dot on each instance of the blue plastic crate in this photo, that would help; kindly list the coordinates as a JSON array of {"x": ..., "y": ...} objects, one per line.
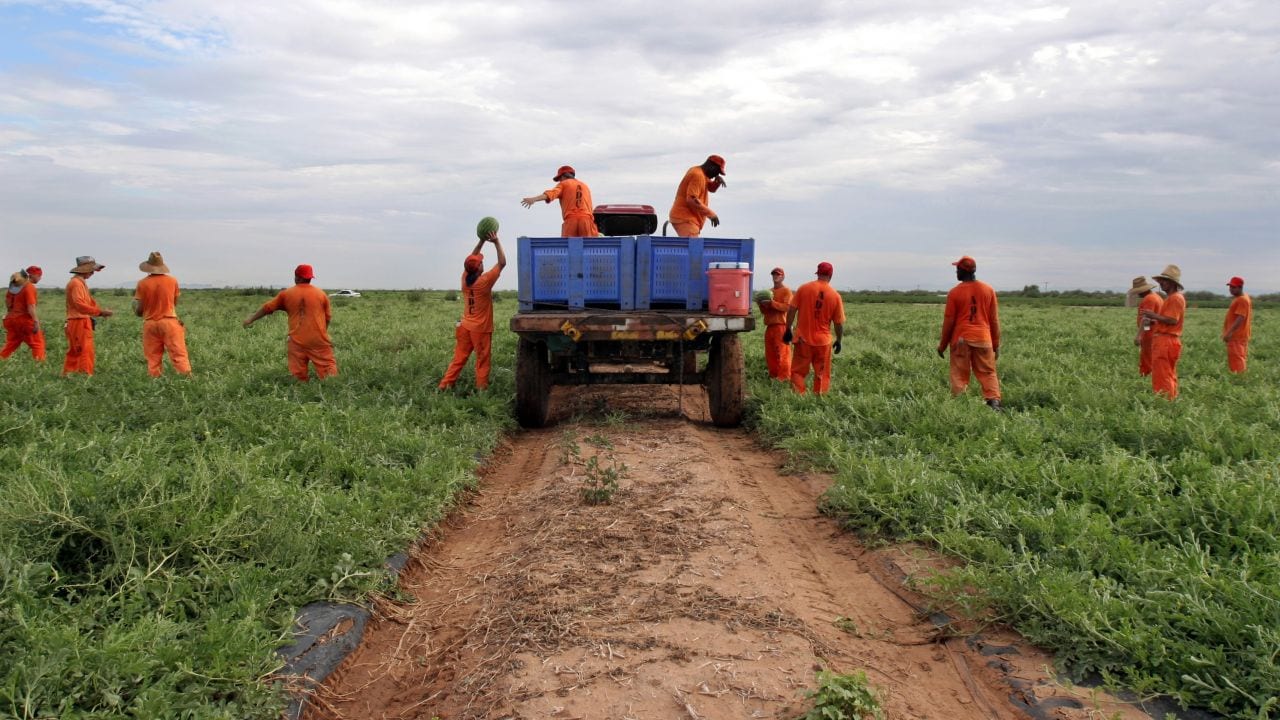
[
  {"x": 576, "y": 273},
  {"x": 671, "y": 272}
]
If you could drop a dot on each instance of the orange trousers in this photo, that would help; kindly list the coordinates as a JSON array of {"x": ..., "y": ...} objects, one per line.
[
  {"x": 684, "y": 228},
  {"x": 19, "y": 331},
  {"x": 159, "y": 336},
  {"x": 1237, "y": 355},
  {"x": 981, "y": 362},
  {"x": 1165, "y": 351},
  {"x": 321, "y": 356},
  {"x": 80, "y": 351},
  {"x": 777, "y": 354},
  {"x": 1144, "y": 354},
  {"x": 579, "y": 226},
  {"x": 467, "y": 342},
  {"x": 819, "y": 358}
]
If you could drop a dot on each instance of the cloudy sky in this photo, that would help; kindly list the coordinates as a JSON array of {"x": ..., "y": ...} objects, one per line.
[{"x": 1064, "y": 144}]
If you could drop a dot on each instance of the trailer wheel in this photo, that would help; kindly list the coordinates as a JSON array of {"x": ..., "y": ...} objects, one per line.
[
  {"x": 726, "y": 377},
  {"x": 533, "y": 383}
]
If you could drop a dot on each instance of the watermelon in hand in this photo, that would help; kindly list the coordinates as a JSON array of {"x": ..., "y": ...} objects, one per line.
[{"x": 486, "y": 226}]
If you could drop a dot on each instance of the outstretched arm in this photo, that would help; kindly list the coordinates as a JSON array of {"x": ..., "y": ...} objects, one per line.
[{"x": 529, "y": 201}]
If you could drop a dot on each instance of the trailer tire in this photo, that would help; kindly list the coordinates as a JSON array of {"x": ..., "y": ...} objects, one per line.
[
  {"x": 533, "y": 383},
  {"x": 726, "y": 381}
]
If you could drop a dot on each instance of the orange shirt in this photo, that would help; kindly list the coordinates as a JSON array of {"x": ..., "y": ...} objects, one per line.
[
  {"x": 23, "y": 303},
  {"x": 972, "y": 315},
  {"x": 694, "y": 183},
  {"x": 817, "y": 305},
  {"x": 309, "y": 314},
  {"x": 79, "y": 303},
  {"x": 1175, "y": 306},
  {"x": 477, "y": 316},
  {"x": 1241, "y": 306},
  {"x": 1151, "y": 302},
  {"x": 575, "y": 198},
  {"x": 157, "y": 295},
  {"x": 775, "y": 311}
]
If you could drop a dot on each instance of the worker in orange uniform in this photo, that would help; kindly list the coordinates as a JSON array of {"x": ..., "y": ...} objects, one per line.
[
  {"x": 777, "y": 353},
  {"x": 1166, "y": 346},
  {"x": 1237, "y": 327},
  {"x": 971, "y": 329},
  {"x": 82, "y": 314},
  {"x": 309, "y": 315},
  {"x": 474, "y": 332},
  {"x": 155, "y": 300},
  {"x": 1142, "y": 291},
  {"x": 815, "y": 308},
  {"x": 690, "y": 210},
  {"x": 576, "y": 207},
  {"x": 20, "y": 322}
]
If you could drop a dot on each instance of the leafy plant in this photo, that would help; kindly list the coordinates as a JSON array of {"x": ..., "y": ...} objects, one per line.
[
  {"x": 843, "y": 697},
  {"x": 599, "y": 482}
]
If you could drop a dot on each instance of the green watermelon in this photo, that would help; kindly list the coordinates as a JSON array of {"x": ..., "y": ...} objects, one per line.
[{"x": 487, "y": 225}]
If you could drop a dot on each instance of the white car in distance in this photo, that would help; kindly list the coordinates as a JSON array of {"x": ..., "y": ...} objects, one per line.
[{"x": 344, "y": 293}]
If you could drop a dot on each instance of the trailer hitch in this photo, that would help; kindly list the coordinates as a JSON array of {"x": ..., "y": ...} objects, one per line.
[{"x": 568, "y": 329}]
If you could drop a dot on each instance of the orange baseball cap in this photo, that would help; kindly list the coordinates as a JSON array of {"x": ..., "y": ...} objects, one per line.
[
  {"x": 777, "y": 271},
  {"x": 564, "y": 170},
  {"x": 966, "y": 263},
  {"x": 1236, "y": 281},
  {"x": 824, "y": 268},
  {"x": 35, "y": 270},
  {"x": 473, "y": 262},
  {"x": 718, "y": 161},
  {"x": 306, "y": 272}
]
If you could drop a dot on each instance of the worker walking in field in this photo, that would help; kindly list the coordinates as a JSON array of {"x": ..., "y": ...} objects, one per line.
[
  {"x": 1143, "y": 292},
  {"x": 1166, "y": 346},
  {"x": 815, "y": 308},
  {"x": 691, "y": 210},
  {"x": 773, "y": 307},
  {"x": 21, "y": 326},
  {"x": 309, "y": 316},
  {"x": 1237, "y": 326},
  {"x": 576, "y": 208},
  {"x": 474, "y": 332},
  {"x": 82, "y": 315},
  {"x": 971, "y": 329},
  {"x": 155, "y": 300}
]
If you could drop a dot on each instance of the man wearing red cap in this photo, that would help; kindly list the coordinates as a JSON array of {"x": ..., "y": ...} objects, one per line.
[
  {"x": 309, "y": 315},
  {"x": 773, "y": 306},
  {"x": 20, "y": 322},
  {"x": 1237, "y": 327},
  {"x": 155, "y": 300},
  {"x": 815, "y": 308},
  {"x": 82, "y": 313},
  {"x": 576, "y": 207},
  {"x": 474, "y": 332},
  {"x": 690, "y": 210},
  {"x": 971, "y": 329}
]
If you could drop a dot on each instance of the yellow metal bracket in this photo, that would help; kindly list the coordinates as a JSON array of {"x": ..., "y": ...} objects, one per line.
[
  {"x": 568, "y": 329},
  {"x": 695, "y": 330}
]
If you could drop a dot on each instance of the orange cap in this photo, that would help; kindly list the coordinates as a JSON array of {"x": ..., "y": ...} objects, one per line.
[
  {"x": 966, "y": 263},
  {"x": 35, "y": 270},
  {"x": 473, "y": 262},
  {"x": 719, "y": 161},
  {"x": 1236, "y": 281},
  {"x": 306, "y": 272},
  {"x": 564, "y": 170},
  {"x": 824, "y": 268},
  {"x": 777, "y": 271}
]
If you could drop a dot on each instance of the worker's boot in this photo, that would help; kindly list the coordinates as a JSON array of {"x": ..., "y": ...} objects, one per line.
[{"x": 994, "y": 404}]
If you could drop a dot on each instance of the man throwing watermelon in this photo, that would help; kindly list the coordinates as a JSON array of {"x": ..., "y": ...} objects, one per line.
[
  {"x": 690, "y": 210},
  {"x": 576, "y": 208}
]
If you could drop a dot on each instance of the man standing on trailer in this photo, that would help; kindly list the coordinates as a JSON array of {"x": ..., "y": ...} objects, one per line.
[
  {"x": 1166, "y": 346},
  {"x": 309, "y": 315},
  {"x": 474, "y": 332},
  {"x": 690, "y": 210},
  {"x": 82, "y": 314},
  {"x": 777, "y": 353},
  {"x": 971, "y": 329},
  {"x": 576, "y": 207},
  {"x": 1147, "y": 300},
  {"x": 1237, "y": 327},
  {"x": 20, "y": 322},
  {"x": 156, "y": 301},
  {"x": 815, "y": 308}
]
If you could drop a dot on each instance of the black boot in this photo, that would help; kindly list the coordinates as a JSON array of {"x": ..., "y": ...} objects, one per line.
[{"x": 994, "y": 404}]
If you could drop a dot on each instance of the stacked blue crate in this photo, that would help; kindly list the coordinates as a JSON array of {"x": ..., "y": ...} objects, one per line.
[
  {"x": 671, "y": 272},
  {"x": 576, "y": 273}
]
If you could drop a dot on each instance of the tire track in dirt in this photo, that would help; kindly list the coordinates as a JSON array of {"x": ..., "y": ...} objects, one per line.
[{"x": 710, "y": 587}]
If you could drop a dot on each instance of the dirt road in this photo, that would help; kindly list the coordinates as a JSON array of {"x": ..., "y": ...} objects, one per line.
[{"x": 708, "y": 587}]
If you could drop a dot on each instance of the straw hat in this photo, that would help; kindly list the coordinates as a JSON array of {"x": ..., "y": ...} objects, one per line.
[
  {"x": 1171, "y": 273},
  {"x": 154, "y": 264},
  {"x": 86, "y": 263},
  {"x": 1140, "y": 285}
]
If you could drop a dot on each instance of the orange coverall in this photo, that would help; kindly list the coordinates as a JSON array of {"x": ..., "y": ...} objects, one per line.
[
  {"x": 157, "y": 297},
  {"x": 817, "y": 306},
  {"x": 684, "y": 220},
  {"x": 20, "y": 324},
  {"x": 1166, "y": 347},
  {"x": 576, "y": 208},
  {"x": 971, "y": 328},
  {"x": 1238, "y": 345},
  {"x": 474, "y": 332},
  {"x": 777, "y": 354},
  {"x": 1151, "y": 302},
  {"x": 308, "y": 342},
  {"x": 81, "y": 309}
]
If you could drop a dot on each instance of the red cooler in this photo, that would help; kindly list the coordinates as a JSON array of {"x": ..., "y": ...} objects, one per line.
[{"x": 729, "y": 288}]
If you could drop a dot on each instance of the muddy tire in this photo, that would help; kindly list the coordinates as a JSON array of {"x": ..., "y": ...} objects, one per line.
[
  {"x": 533, "y": 383},
  {"x": 726, "y": 381}
]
